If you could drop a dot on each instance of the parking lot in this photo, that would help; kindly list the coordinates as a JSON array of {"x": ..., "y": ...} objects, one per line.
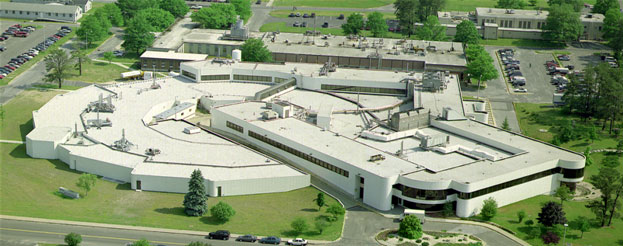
[{"x": 16, "y": 45}]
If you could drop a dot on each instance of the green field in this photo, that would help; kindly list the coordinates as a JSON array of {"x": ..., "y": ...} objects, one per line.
[
  {"x": 285, "y": 13},
  {"x": 97, "y": 72},
  {"x": 333, "y": 3},
  {"x": 28, "y": 188},
  {"x": 507, "y": 217}
]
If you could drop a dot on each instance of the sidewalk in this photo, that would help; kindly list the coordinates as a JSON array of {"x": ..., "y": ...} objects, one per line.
[{"x": 126, "y": 227}]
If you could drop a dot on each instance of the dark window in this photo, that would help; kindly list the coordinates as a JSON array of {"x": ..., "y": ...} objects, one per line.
[
  {"x": 215, "y": 77},
  {"x": 509, "y": 184},
  {"x": 253, "y": 78},
  {"x": 299, "y": 154},
  {"x": 235, "y": 127},
  {"x": 572, "y": 173},
  {"x": 346, "y": 88},
  {"x": 427, "y": 207},
  {"x": 188, "y": 74}
]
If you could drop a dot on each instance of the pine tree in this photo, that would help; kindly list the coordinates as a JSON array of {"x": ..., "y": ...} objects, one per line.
[{"x": 195, "y": 201}]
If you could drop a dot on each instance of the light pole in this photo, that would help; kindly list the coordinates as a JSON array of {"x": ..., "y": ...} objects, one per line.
[{"x": 564, "y": 235}]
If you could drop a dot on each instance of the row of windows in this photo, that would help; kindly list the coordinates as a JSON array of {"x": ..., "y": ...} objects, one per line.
[
  {"x": 509, "y": 184},
  {"x": 235, "y": 127},
  {"x": 442, "y": 194},
  {"x": 253, "y": 78},
  {"x": 299, "y": 154},
  {"x": 363, "y": 89},
  {"x": 188, "y": 74},
  {"x": 215, "y": 77},
  {"x": 280, "y": 80},
  {"x": 525, "y": 24},
  {"x": 506, "y": 23},
  {"x": 34, "y": 13},
  {"x": 540, "y": 25}
]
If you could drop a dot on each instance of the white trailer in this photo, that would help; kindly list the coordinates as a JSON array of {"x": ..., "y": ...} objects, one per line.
[{"x": 132, "y": 74}]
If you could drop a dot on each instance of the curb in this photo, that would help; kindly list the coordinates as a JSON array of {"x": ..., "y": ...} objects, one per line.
[
  {"x": 492, "y": 227},
  {"x": 125, "y": 227}
]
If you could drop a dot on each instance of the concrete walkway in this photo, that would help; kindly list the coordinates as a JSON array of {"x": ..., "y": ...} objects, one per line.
[
  {"x": 116, "y": 63},
  {"x": 11, "y": 141}
]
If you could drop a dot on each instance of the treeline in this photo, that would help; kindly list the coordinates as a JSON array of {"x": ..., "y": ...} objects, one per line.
[{"x": 222, "y": 16}]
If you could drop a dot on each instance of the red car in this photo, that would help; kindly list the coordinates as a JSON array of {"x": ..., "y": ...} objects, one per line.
[
  {"x": 21, "y": 34},
  {"x": 9, "y": 67}
]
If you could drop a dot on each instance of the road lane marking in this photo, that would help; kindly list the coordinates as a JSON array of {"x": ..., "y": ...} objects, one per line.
[{"x": 87, "y": 236}]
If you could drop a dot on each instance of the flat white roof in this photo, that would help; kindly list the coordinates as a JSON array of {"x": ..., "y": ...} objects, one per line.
[{"x": 173, "y": 56}]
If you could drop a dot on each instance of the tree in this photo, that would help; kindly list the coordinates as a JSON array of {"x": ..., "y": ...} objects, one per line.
[
  {"x": 467, "y": 33},
  {"x": 563, "y": 193},
  {"x": 299, "y": 225},
  {"x": 254, "y": 50},
  {"x": 606, "y": 181},
  {"x": 130, "y": 7},
  {"x": 611, "y": 161},
  {"x": 57, "y": 64},
  {"x": 321, "y": 224},
  {"x": 222, "y": 211},
  {"x": 410, "y": 227},
  {"x": 521, "y": 215},
  {"x": 489, "y": 209},
  {"x": 195, "y": 201},
  {"x": 613, "y": 30},
  {"x": 510, "y": 4},
  {"x": 562, "y": 24},
  {"x": 217, "y": 16},
  {"x": 243, "y": 8},
  {"x": 550, "y": 238},
  {"x": 429, "y": 7},
  {"x": 80, "y": 56},
  {"x": 581, "y": 224},
  {"x": 602, "y": 6},
  {"x": 480, "y": 64},
  {"x": 177, "y": 8},
  {"x": 448, "y": 209},
  {"x": 534, "y": 232},
  {"x": 112, "y": 12},
  {"x": 376, "y": 23},
  {"x": 576, "y": 5},
  {"x": 142, "y": 242},
  {"x": 532, "y": 2},
  {"x": 587, "y": 154},
  {"x": 92, "y": 29},
  {"x": 86, "y": 181},
  {"x": 353, "y": 24},
  {"x": 73, "y": 239},
  {"x": 158, "y": 19},
  {"x": 137, "y": 35},
  {"x": 551, "y": 214},
  {"x": 108, "y": 56},
  {"x": 592, "y": 134},
  {"x": 505, "y": 124},
  {"x": 335, "y": 210},
  {"x": 320, "y": 202},
  {"x": 406, "y": 12},
  {"x": 620, "y": 147},
  {"x": 431, "y": 30}
]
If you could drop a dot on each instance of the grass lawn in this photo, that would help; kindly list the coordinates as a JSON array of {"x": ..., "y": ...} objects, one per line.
[
  {"x": 44, "y": 86},
  {"x": 28, "y": 188},
  {"x": 98, "y": 72},
  {"x": 333, "y": 3},
  {"x": 507, "y": 217},
  {"x": 285, "y": 13},
  {"x": 520, "y": 43},
  {"x": 17, "y": 117},
  {"x": 34, "y": 60}
]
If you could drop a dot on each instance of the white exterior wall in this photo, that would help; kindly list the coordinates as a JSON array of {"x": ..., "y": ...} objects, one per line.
[
  {"x": 34, "y": 15},
  {"x": 377, "y": 190},
  {"x": 100, "y": 168},
  {"x": 545, "y": 185},
  {"x": 45, "y": 149},
  {"x": 164, "y": 184},
  {"x": 258, "y": 186}
]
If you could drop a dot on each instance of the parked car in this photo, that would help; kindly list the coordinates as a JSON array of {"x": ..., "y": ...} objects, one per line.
[
  {"x": 258, "y": 2},
  {"x": 313, "y": 15},
  {"x": 196, "y": 7},
  {"x": 305, "y": 15},
  {"x": 4, "y": 37},
  {"x": 325, "y": 25},
  {"x": 297, "y": 241},
  {"x": 341, "y": 17},
  {"x": 297, "y": 14},
  {"x": 2, "y": 48},
  {"x": 563, "y": 57},
  {"x": 291, "y": 15},
  {"x": 247, "y": 238},
  {"x": 220, "y": 234},
  {"x": 304, "y": 24},
  {"x": 521, "y": 90},
  {"x": 296, "y": 24},
  {"x": 271, "y": 240},
  {"x": 66, "y": 27},
  {"x": 21, "y": 34}
]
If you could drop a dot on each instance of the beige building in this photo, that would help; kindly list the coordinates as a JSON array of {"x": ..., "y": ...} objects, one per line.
[
  {"x": 167, "y": 61},
  {"x": 85, "y": 5}
]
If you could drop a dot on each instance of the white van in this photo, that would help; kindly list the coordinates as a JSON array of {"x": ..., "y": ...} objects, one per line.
[{"x": 420, "y": 214}]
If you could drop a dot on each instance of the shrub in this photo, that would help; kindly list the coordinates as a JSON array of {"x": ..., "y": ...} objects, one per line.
[
  {"x": 534, "y": 232},
  {"x": 425, "y": 244},
  {"x": 418, "y": 241},
  {"x": 529, "y": 222},
  {"x": 410, "y": 227},
  {"x": 73, "y": 239},
  {"x": 521, "y": 215},
  {"x": 299, "y": 225},
  {"x": 489, "y": 208},
  {"x": 550, "y": 238},
  {"x": 197, "y": 243},
  {"x": 222, "y": 211}
]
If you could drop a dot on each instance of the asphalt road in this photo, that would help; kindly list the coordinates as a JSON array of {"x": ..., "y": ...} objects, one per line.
[{"x": 16, "y": 45}]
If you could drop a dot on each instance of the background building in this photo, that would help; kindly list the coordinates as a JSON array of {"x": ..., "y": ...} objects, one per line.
[
  {"x": 32, "y": 11},
  {"x": 85, "y": 5}
]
